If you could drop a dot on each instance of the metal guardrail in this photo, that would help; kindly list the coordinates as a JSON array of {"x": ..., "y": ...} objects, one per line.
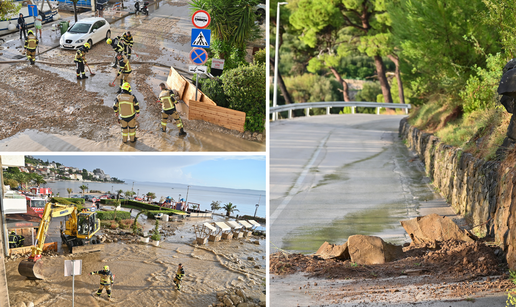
[{"x": 332, "y": 104}]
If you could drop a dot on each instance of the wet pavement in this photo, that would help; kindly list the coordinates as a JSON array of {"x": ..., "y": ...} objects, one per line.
[
  {"x": 336, "y": 176},
  {"x": 155, "y": 42}
]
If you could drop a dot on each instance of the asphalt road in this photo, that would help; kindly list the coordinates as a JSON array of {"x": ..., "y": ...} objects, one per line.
[{"x": 337, "y": 175}]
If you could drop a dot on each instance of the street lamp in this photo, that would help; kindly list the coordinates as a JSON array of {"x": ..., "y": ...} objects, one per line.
[
  {"x": 276, "y": 60},
  {"x": 257, "y": 205}
]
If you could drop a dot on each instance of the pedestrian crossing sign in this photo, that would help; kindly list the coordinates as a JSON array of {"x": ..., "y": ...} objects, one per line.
[{"x": 201, "y": 38}]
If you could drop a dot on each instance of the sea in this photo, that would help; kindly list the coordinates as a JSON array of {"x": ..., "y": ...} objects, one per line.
[{"x": 244, "y": 200}]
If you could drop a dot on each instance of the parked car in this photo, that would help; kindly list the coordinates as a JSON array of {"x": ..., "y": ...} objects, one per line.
[
  {"x": 89, "y": 30},
  {"x": 88, "y": 197},
  {"x": 76, "y": 196},
  {"x": 104, "y": 197}
]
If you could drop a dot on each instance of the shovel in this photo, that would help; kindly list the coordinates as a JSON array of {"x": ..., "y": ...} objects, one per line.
[
  {"x": 91, "y": 73},
  {"x": 112, "y": 84}
]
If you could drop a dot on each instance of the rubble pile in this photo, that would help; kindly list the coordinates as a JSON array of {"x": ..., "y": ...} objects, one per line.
[{"x": 236, "y": 298}]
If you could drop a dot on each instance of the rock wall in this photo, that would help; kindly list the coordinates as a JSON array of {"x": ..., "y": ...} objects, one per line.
[{"x": 484, "y": 192}]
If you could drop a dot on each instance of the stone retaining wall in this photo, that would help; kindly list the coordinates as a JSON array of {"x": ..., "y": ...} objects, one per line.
[{"x": 484, "y": 192}]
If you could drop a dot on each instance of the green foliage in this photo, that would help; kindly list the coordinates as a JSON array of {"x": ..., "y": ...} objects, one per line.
[
  {"x": 112, "y": 202},
  {"x": 213, "y": 88},
  {"x": 369, "y": 92},
  {"x": 215, "y": 205},
  {"x": 260, "y": 56},
  {"x": 232, "y": 21},
  {"x": 155, "y": 234},
  {"x": 310, "y": 88},
  {"x": 245, "y": 90},
  {"x": 481, "y": 88},
  {"x": 110, "y": 215},
  {"x": 430, "y": 36},
  {"x": 9, "y": 9},
  {"x": 511, "y": 294},
  {"x": 230, "y": 208}
]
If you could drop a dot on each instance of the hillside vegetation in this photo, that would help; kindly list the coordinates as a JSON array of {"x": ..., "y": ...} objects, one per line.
[{"x": 443, "y": 57}]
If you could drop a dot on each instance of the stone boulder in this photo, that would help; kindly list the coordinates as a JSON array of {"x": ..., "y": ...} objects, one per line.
[
  {"x": 433, "y": 227},
  {"x": 327, "y": 251},
  {"x": 372, "y": 250}
]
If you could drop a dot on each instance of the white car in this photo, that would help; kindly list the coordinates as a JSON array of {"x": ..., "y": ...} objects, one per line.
[{"x": 89, "y": 30}]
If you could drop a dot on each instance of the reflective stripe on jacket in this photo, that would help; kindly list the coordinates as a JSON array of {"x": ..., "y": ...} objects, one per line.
[
  {"x": 126, "y": 105},
  {"x": 31, "y": 43},
  {"x": 167, "y": 101}
]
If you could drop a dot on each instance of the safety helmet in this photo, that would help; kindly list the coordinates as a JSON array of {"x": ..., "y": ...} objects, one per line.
[
  {"x": 30, "y": 32},
  {"x": 126, "y": 86},
  {"x": 109, "y": 41},
  {"x": 13, "y": 232},
  {"x": 87, "y": 46},
  {"x": 106, "y": 268}
]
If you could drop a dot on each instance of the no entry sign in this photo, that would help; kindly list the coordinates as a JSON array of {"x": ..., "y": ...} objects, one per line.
[
  {"x": 201, "y": 19},
  {"x": 198, "y": 56}
]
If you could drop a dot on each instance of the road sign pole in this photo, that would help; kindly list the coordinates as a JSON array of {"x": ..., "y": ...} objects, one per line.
[
  {"x": 196, "y": 85},
  {"x": 73, "y": 284}
]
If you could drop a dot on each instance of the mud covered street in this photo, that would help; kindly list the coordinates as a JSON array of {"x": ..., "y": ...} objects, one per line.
[
  {"x": 44, "y": 107},
  {"x": 451, "y": 272},
  {"x": 144, "y": 273}
]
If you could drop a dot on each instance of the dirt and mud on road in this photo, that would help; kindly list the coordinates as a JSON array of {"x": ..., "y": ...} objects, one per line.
[
  {"x": 450, "y": 271},
  {"x": 144, "y": 273},
  {"x": 44, "y": 105}
]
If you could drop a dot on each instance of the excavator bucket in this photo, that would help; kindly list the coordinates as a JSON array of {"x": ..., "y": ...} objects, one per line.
[{"x": 31, "y": 269}]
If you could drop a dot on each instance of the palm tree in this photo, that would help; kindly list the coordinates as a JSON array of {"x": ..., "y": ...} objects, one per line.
[
  {"x": 150, "y": 196},
  {"x": 39, "y": 180},
  {"x": 230, "y": 208},
  {"x": 215, "y": 205},
  {"x": 232, "y": 23},
  {"x": 83, "y": 188},
  {"x": 118, "y": 193},
  {"x": 69, "y": 190},
  {"x": 129, "y": 194}
]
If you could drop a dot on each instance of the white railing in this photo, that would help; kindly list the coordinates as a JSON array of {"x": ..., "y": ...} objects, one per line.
[{"x": 331, "y": 104}]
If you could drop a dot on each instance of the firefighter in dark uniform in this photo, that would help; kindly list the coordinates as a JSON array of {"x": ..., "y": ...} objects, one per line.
[
  {"x": 179, "y": 276},
  {"x": 118, "y": 46},
  {"x": 128, "y": 44},
  {"x": 80, "y": 60},
  {"x": 106, "y": 280},
  {"x": 31, "y": 43},
  {"x": 124, "y": 71},
  {"x": 127, "y": 109},
  {"x": 168, "y": 103}
]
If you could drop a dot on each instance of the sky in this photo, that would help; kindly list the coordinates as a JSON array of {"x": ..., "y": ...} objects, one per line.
[{"x": 236, "y": 172}]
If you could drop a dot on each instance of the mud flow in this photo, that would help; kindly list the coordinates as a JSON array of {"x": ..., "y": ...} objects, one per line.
[
  {"x": 45, "y": 108},
  {"x": 144, "y": 273}
]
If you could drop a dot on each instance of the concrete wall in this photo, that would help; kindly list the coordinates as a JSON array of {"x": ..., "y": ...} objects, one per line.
[{"x": 484, "y": 192}]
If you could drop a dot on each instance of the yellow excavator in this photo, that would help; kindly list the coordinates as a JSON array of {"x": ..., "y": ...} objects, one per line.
[{"x": 78, "y": 235}]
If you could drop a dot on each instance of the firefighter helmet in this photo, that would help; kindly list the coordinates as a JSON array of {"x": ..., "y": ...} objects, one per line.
[
  {"x": 126, "y": 86},
  {"x": 87, "y": 46},
  {"x": 30, "y": 32},
  {"x": 106, "y": 268},
  {"x": 109, "y": 41}
]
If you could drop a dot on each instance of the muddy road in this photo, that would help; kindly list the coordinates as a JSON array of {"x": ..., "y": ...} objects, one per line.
[
  {"x": 44, "y": 107},
  {"x": 144, "y": 274}
]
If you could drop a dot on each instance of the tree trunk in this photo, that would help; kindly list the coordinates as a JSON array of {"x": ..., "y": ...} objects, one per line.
[
  {"x": 281, "y": 83},
  {"x": 345, "y": 87},
  {"x": 75, "y": 10},
  {"x": 380, "y": 71},
  {"x": 396, "y": 61}
]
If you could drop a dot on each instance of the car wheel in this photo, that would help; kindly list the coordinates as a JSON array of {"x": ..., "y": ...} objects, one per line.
[
  {"x": 108, "y": 34},
  {"x": 91, "y": 43}
]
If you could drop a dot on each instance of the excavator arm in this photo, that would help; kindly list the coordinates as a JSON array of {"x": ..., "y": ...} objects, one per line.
[{"x": 48, "y": 214}]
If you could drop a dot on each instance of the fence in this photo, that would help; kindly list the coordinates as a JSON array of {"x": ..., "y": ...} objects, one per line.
[{"x": 331, "y": 104}]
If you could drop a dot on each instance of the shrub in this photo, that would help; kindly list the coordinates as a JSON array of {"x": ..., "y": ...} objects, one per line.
[
  {"x": 260, "y": 56},
  {"x": 155, "y": 234},
  {"x": 111, "y": 202},
  {"x": 110, "y": 215},
  {"x": 213, "y": 89},
  {"x": 244, "y": 88}
]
